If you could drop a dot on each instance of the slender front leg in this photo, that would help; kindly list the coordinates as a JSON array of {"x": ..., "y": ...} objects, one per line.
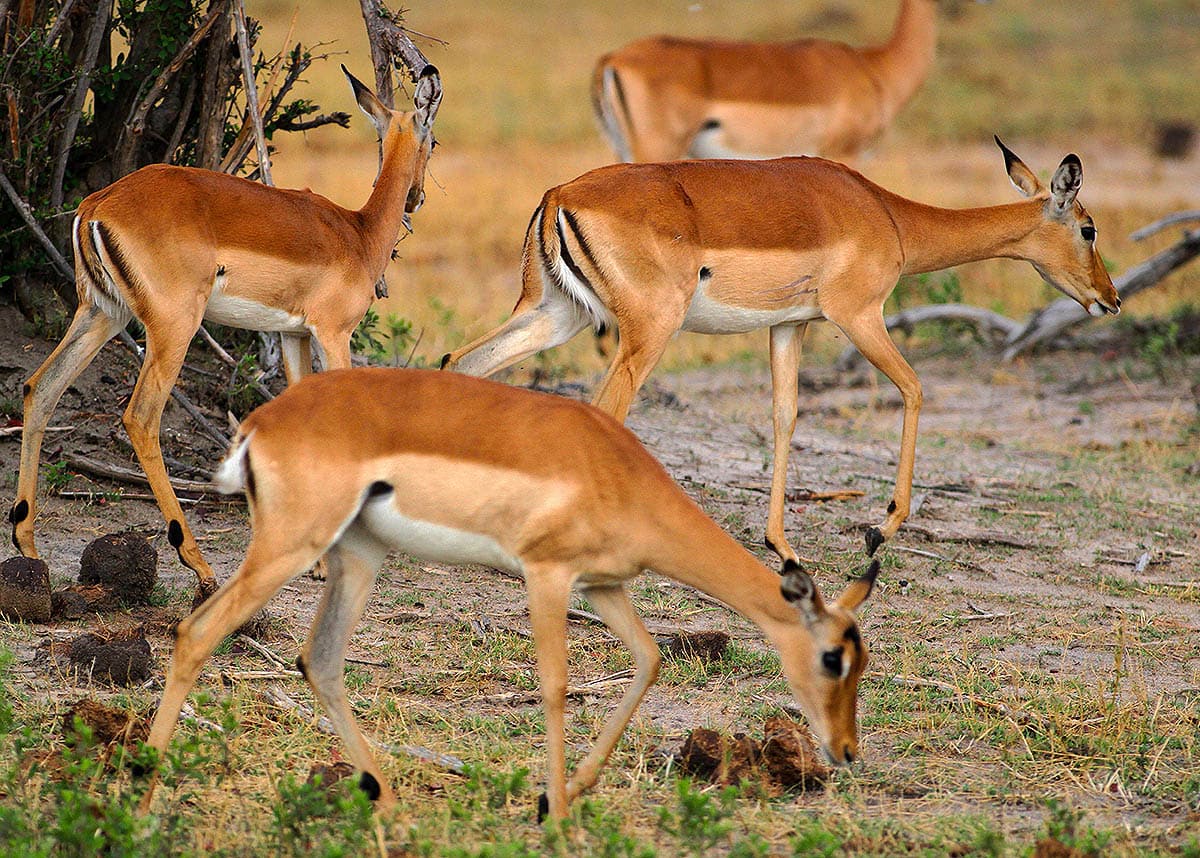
[
  {"x": 350, "y": 568},
  {"x": 787, "y": 342},
  {"x": 90, "y": 329},
  {"x": 869, "y": 334},
  {"x": 549, "y": 588},
  {"x": 613, "y": 606}
]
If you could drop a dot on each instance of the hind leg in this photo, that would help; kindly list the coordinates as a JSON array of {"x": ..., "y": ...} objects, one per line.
[
  {"x": 90, "y": 329},
  {"x": 350, "y": 566}
]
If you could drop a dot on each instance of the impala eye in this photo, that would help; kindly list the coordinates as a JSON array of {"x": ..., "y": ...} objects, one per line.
[
  {"x": 1088, "y": 233},
  {"x": 831, "y": 660}
]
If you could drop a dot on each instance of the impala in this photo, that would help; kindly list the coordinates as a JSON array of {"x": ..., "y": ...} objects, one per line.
[
  {"x": 175, "y": 246},
  {"x": 462, "y": 470},
  {"x": 663, "y": 98},
  {"x": 724, "y": 247}
]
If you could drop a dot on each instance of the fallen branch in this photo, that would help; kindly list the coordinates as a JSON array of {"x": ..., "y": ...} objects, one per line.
[
  {"x": 1055, "y": 318},
  {"x": 104, "y": 470},
  {"x": 277, "y": 696},
  {"x": 8, "y": 431},
  {"x": 621, "y": 677},
  {"x": 1064, "y": 313}
]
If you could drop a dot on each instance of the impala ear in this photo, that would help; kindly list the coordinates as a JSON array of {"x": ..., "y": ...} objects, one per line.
[
  {"x": 369, "y": 104},
  {"x": 427, "y": 97},
  {"x": 1064, "y": 187},
  {"x": 1022, "y": 177},
  {"x": 860, "y": 588},
  {"x": 798, "y": 587}
]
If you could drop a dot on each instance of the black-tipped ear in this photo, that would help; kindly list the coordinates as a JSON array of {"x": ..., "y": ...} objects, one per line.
[
  {"x": 1065, "y": 185},
  {"x": 860, "y": 588},
  {"x": 427, "y": 96},
  {"x": 369, "y": 103},
  {"x": 798, "y": 587},
  {"x": 1021, "y": 176}
]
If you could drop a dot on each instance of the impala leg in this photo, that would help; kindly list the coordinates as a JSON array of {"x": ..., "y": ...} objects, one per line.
[
  {"x": 532, "y": 328},
  {"x": 260, "y": 576},
  {"x": 636, "y": 357},
  {"x": 297, "y": 356},
  {"x": 90, "y": 329},
  {"x": 787, "y": 342},
  {"x": 350, "y": 567},
  {"x": 870, "y": 336},
  {"x": 143, "y": 420},
  {"x": 549, "y": 589},
  {"x": 614, "y": 607}
]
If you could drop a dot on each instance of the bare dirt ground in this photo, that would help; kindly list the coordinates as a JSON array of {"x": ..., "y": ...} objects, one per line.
[{"x": 1066, "y": 668}]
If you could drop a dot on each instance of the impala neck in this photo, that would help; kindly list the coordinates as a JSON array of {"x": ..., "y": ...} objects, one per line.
[
  {"x": 382, "y": 215},
  {"x": 901, "y": 64},
  {"x": 934, "y": 238},
  {"x": 692, "y": 549}
]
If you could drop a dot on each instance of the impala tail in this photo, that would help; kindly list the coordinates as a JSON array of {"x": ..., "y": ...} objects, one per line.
[
  {"x": 556, "y": 244},
  {"x": 612, "y": 110}
]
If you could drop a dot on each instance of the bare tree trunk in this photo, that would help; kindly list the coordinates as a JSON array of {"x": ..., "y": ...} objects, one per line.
[{"x": 217, "y": 78}]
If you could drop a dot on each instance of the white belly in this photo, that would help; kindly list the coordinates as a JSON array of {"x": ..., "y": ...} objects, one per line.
[
  {"x": 239, "y": 312},
  {"x": 430, "y": 541},
  {"x": 706, "y": 316}
]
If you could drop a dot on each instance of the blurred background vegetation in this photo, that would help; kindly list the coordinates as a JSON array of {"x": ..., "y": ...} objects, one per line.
[{"x": 1048, "y": 77}]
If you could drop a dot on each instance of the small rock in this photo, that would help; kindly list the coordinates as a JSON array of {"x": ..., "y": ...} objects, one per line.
[
  {"x": 329, "y": 773},
  {"x": 25, "y": 590},
  {"x": 108, "y": 724},
  {"x": 719, "y": 758},
  {"x": 789, "y": 756},
  {"x": 125, "y": 562},
  {"x": 707, "y": 646},
  {"x": 122, "y": 657},
  {"x": 80, "y": 600}
]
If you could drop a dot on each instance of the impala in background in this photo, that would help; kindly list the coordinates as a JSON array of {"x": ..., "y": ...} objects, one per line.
[
  {"x": 725, "y": 247},
  {"x": 461, "y": 470},
  {"x": 663, "y": 98},
  {"x": 175, "y": 246}
]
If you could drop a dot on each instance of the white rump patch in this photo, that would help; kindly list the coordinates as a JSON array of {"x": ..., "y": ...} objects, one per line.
[
  {"x": 230, "y": 476},
  {"x": 106, "y": 295},
  {"x": 589, "y": 302}
]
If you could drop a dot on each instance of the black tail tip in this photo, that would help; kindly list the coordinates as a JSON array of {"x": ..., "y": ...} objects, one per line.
[
  {"x": 874, "y": 540},
  {"x": 543, "y": 808},
  {"x": 369, "y": 785}
]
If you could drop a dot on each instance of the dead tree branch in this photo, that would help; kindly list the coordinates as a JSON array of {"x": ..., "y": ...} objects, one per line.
[
  {"x": 253, "y": 115},
  {"x": 390, "y": 46},
  {"x": 84, "y": 81},
  {"x": 1064, "y": 313},
  {"x": 1160, "y": 225}
]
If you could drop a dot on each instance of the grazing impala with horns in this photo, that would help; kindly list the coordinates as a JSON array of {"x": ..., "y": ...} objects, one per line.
[
  {"x": 462, "y": 470},
  {"x": 175, "y": 246},
  {"x": 725, "y": 247},
  {"x": 663, "y": 98}
]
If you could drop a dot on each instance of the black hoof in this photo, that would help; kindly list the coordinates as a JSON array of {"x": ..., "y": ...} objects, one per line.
[
  {"x": 142, "y": 768},
  {"x": 445, "y": 360},
  {"x": 543, "y": 808},
  {"x": 874, "y": 540},
  {"x": 204, "y": 590},
  {"x": 369, "y": 785}
]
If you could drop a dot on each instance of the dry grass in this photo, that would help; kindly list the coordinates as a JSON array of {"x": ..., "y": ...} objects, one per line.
[
  {"x": 1077, "y": 685},
  {"x": 516, "y": 120}
]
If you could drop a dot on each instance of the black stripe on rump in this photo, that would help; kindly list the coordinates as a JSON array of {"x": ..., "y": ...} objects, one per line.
[
  {"x": 116, "y": 254},
  {"x": 565, "y": 252}
]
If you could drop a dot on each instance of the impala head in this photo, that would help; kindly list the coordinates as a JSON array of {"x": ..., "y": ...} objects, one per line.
[
  {"x": 827, "y": 688},
  {"x": 1064, "y": 246},
  {"x": 412, "y": 129}
]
